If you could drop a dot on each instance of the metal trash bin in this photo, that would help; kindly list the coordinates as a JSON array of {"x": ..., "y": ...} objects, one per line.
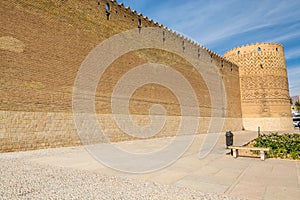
[{"x": 229, "y": 139}]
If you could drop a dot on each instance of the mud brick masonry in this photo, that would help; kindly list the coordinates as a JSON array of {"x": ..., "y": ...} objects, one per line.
[{"x": 44, "y": 42}]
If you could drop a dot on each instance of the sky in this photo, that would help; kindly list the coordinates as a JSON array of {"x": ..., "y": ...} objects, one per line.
[{"x": 221, "y": 25}]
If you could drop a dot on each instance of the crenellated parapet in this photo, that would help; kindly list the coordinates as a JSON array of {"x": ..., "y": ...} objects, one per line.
[
  {"x": 258, "y": 49},
  {"x": 269, "y": 46},
  {"x": 115, "y": 11},
  {"x": 260, "y": 58}
]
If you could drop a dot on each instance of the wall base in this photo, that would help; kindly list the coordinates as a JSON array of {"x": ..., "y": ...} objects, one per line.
[
  {"x": 21, "y": 131},
  {"x": 268, "y": 124}
]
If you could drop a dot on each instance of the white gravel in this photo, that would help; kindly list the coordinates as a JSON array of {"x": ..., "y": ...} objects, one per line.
[{"x": 22, "y": 179}]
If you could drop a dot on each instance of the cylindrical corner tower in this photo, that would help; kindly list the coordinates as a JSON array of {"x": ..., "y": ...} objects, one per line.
[{"x": 264, "y": 86}]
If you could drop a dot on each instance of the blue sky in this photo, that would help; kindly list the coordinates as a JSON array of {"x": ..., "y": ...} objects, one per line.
[{"x": 224, "y": 24}]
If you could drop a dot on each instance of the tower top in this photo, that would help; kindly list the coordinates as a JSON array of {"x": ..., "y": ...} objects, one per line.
[{"x": 262, "y": 47}]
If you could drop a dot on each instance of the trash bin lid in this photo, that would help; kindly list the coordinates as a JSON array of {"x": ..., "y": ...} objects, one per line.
[{"x": 228, "y": 133}]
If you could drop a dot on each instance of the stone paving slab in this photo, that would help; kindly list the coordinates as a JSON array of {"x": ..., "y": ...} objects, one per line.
[
  {"x": 201, "y": 184},
  {"x": 219, "y": 173}
]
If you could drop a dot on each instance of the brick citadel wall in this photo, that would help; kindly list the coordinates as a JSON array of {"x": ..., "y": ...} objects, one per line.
[
  {"x": 265, "y": 95},
  {"x": 43, "y": 44}
]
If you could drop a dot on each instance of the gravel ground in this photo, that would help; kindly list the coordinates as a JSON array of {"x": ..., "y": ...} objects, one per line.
[{"x": 22, "y": 179}]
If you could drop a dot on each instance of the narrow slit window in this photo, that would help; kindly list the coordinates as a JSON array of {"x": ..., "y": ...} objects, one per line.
[{"x": 107, "y": 9}]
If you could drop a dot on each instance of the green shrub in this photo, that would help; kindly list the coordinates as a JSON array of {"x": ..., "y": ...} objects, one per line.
[{"x": 281, "y": 145}]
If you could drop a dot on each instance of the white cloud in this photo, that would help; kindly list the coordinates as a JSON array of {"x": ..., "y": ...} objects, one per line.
[
  {"x": 294, "y": 80},
  {"x": 292, "y": 53},
  {"x": 211, "y": 21},
  {"x": 287, "y": 36}
]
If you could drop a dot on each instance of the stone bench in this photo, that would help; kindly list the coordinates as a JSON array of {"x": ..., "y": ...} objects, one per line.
[{"x": 235, "y": 152}]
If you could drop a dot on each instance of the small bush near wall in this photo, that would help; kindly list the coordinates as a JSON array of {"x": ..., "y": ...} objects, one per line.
[{"x": 281, "y": 145}]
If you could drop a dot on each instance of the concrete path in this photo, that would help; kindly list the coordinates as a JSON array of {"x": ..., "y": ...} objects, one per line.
[{"x": 243, "y": 177}]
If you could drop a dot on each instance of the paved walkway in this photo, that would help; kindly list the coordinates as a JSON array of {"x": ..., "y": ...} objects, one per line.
[{"x": 243, "y": 177}]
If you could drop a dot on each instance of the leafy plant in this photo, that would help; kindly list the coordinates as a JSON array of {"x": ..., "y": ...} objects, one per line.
[
  {"x": 297, "y": 104},
  {"x": 281, "y": 145}
]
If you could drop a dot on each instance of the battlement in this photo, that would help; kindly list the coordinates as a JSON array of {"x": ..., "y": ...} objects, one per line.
[
  {"x": 263, "y": 47},
  {"x": 256, "y": 52},
  {"x": 112, "y": 7},
  {"x": 144, "y": 21}
]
